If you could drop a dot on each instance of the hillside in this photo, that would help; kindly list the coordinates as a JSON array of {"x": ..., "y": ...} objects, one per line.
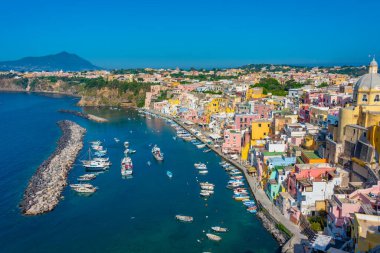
[{"x": 56, "y": 62}]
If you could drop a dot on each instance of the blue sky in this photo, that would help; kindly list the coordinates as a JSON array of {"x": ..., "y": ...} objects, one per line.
[{"x": 199, "y": 33}]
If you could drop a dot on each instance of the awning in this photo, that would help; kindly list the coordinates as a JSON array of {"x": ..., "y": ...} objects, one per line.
[{"x": 251, "y": 169}]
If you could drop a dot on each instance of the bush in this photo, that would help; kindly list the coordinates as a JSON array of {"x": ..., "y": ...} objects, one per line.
[{"x": 316, "y": 226}]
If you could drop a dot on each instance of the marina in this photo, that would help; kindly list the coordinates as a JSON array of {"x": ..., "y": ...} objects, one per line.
[{"x": 124, "y": 206}]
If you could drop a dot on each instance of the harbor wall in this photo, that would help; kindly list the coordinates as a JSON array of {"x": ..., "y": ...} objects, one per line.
[{"x": 46, "y": 185}]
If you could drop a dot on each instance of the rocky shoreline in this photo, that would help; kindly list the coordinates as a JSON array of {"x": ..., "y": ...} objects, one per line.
[
  {"x": 271, "y": 228},
  {"x": 46, "y": 185}
]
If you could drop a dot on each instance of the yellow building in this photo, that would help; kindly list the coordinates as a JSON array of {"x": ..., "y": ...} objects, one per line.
[
  {"x": 365, "y": 232},
  {"x": 366, "y": 103},
  {"x": 373, "y": 136},
  {"x": 254, "y": 93},
  {"x": 260, "y": 130}
]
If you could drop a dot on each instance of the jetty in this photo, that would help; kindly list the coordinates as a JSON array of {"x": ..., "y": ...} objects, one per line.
[
  {"x": 85, "y": 115},
  {"x": 46, "y": 185},
  {"x": 287, "y": 234}
]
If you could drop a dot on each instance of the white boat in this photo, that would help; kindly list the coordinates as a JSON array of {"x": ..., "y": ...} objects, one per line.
[
  {"x": 86, "y": 177},
  {"x": 219, "y": 229},
  {"x": 205, "y": 194},
  {"x": 126, "y": 144},
  {"x": 201, "y": 145},
  {"x": 126, "y": 166},
  {"x": 203, "y": 172},
  {"x": 213, "y": 237},
  {"x": 184, "y": 218},
  {"x": 169, "y": 174},
  {"x": 73, "y": 186},
  {"x": 156, "y": 152},
  {"x": 207, "y": 187},
  {"x": 85, "y": 189},
  {"x": 206, "y": 150},
  {"x": 96, "y": 143},
  {"x": 200, "y": 166},
  {"x": 116, "y": 140}
]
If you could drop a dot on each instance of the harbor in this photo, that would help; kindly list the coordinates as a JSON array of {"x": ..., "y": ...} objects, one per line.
[
  {"x": 126, "y": 213},
  {"x": 269, "y": 215},
  {"x": 45, "y": 187}
]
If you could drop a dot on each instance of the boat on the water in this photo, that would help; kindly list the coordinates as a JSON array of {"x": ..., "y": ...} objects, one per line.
[
  {"x": 201, "y": 146},
  {"x": 156, "y": 151},
  {"x": 83, "y": 188},
  {"x": 126, "y": 144},
  {"x": 219, "y": 229},
  {"x": 126, "y": 166},
  {"x": 200, "y": 166},
  {"x": 86, "y": 177},
  {"x": 116, "y": 140},
  {"x": 213, "y": 237},
  {"x": 184, "y": 218},
  {"x": 169, "y": 174},
  {"x": 203, "y": 172},
  {"x": 206, "y": 150}
]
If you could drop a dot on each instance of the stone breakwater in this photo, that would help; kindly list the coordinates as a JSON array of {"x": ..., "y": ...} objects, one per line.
[
  {"x": 85, "y": 115},
  {"x": 272, "y": 228},
  {"x": 46, "y": 185}
]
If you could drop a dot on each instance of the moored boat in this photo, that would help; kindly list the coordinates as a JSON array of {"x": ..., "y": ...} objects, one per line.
[
  {"x": 219, "y": 229},
  {"x": 213, "y": 237},
  {"x": 156, "y": 151},
  {"x": 169, "y": 174},
  {"x": 184, "y": 218}
]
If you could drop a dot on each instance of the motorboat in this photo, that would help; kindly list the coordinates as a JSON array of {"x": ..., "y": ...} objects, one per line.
[
  {"x": 219, "y": 229},
  {"x": 156, "y": 151},
  {"x": 184, "y": 218},
  {"x": 169, "y": 174},
  {"x": 126, "y": 144},
  {"x": 200, "y": 166},
  {"x": 203, "y": 172},
  {"x": 116, "y": 140},
  {"x": 201, "y": 146},
  {"x": 86, "y": 177},
  {"x": 126, "y": 166},
  {"x": 213, "y": 237}
]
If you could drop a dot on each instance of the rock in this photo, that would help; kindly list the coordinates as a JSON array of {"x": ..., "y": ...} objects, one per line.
[{"x": 45, "y": 187}]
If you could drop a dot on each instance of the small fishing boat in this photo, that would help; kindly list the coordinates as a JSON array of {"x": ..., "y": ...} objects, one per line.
[
  {"x": 201, "y": 146},
  {"x": 126, "y": 144},
  {"x": 249, "y": 203},
  {"x": 252, "y": 209},
  {"x": 184, "y": 218},
  {"x": 116, "y": 140},
  {"x": 205, "y": 194},
  {"x": 219, "y": 229},
  {"x": 213, "y": 237},
  {"x": 203, "y": 172},
  {"x": 206, "y": 150},
  {"x": 207, "y": 187},
  {"x": 169, "y": 174},
  {"x": 84, "y": 190}
]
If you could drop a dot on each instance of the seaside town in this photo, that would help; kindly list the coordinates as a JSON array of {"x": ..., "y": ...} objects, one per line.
[{"x": 308, "y": 139}]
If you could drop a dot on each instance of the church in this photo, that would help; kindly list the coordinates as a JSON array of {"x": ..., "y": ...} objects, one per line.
[{"x": 354, "y": 142}]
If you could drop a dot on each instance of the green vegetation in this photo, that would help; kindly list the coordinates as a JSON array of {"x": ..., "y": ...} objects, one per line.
[
  {"x": 212, "y": 92},
  {"x": 319, "y": 221},
  {"x": 283, "y": 229},
  {"x": 322, "y": 85},
  {"x": 271, "y": 85}
]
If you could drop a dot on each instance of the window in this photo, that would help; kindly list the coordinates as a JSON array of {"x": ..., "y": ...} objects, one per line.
[
  {"x": 364, "y": 98},
  {"x": 377, "y": 98},
  {"x": 259, "y": 125}
]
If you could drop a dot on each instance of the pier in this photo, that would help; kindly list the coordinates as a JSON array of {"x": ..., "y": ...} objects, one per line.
[
  {"x": 270, "y": 215},
  {"x": 85, "y": 116},
  {"x": 46, "y": 185}
]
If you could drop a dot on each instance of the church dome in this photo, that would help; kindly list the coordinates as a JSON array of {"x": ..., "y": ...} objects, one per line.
[{"x": 370, "y": 81}]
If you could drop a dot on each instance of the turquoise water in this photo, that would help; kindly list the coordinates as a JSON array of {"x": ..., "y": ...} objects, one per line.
[{"x": 124, "y": 215}]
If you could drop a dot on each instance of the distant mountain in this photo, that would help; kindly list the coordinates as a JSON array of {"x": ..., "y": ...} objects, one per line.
[{"x": 56, "y": 62}]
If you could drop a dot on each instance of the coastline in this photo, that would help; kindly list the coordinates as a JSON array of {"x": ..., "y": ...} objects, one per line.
[
  {"x": 46, "y": 185},
  {"x": 289, "y": 237}
]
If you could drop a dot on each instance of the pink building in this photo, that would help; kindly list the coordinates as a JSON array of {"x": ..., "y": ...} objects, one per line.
[
  {"x": 243, "y": 121},
  {"x": 188, "y": 87},
  {"x": 341, "y": 207},
  {"x": 263, "y": 110},
  {"x": 232, "y": 141},
  {"x": 191, "y": 115},
  {"x": 158, "y": 106}
]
